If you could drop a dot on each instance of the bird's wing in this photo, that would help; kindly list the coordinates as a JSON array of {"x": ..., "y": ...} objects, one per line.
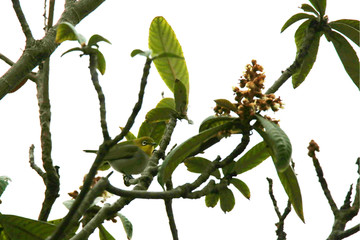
[{"x": 121, "y": 152}]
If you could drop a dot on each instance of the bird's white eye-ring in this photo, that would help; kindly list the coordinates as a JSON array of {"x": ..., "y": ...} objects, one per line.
[{"x": 144, "y": 143}]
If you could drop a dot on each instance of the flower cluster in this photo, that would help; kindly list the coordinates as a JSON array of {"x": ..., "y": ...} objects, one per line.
[{"x": 251, "y": 100}]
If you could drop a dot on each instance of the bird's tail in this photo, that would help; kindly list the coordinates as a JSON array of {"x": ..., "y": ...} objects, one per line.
[{"x": 90, "y": 151}]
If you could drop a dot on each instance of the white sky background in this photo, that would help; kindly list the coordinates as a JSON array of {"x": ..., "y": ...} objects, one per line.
[{"x": 218, "y": 40}]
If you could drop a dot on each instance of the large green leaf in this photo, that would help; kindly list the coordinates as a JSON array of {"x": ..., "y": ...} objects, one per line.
[
  {"x": 252, "y": 158},
  {"x": 104, "y": 234},
  {"x": 279, "y": 144},
  {"x": 155, "y": 130},
  {"x": 4, "y": 181},
  {"x": 320, "y": 6},
  {"x": 199, "y": 165},
  {"x": 350, "y": 28},
  {"x": 16, "y": 227},
  {"x": 162, "y": 39},
  {"x": 127, "y": 225},
  {"x": 66, "y": 31},
  {"x": 241, "y": 186},
  {"x": 178, "y": 155},
  {"x": 160, "y": 114},
  {"x": 211, "y": 199},
  {"x": 296, "y": 18},
  {"x": 347, "y": 56},
  {"x": 289, "y": 181},
  {"x": 301, "y": 34},
  {"x": 227, "y": 200},
  {"x": 214, "y": 121},
  {"x": 181, "y": 98}
]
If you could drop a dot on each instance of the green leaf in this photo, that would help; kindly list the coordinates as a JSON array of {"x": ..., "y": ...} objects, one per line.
[
  {"x": 162, "y": 39},
  {"x": 211, "y": 199},
  {"x": 278, "y": 142},
  {"x": 104, "y": 234},
  {"x": 241, "y": 186},
  {"x": 66, "y": 31},
  {"x": 16, "y": 227},
  {"x": 214, "y": 121},
  {"x": 350, "y": 28},
  {"x": 70, "y": 232},
  {"x": 154, "y": 130},
  {"x": 4, "y": 181},
  {"x": 129, "y": 135},
  {"x": 320, "y": 6},
  {"x": 308, "y": 8},
  {"x": 347, "y": 56},
  {"x": 289, "y": 181},
  {"x": 299, "y": 76},
  {"x": 169, "y": 55},
  {"x": 252, "y": 158},
  {"x": 181, "y": 98},
  {"x": 296, "y": 18},
  {"x": 227, "y": 200},
  {"x": 160, "y": 114},
  {"x": 166, "y": 103},
  {"x": 94, "y": 39},
  {"x": 226, "y": 104},
  {"x": 178, "y": 155},
  {"x": 228, "y": 169},
  {"x": 127, "y": 225},
  {"x": 140, "y": 52},
  {"x": 199, "y": 165},
  {"x": 101, "y": 63},
  {"x": 72, "y": 50}
]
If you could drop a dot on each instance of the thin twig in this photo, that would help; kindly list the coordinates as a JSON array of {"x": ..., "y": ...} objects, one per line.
[
  {"x": 33, "y": 164},
  {"x": 24, "y": 25},
  {"x": 170, "y": 213}
]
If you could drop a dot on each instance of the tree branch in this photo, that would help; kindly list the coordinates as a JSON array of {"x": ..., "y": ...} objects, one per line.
[
  {"x": 170, "y": 213},
  {"x": 24, "y": 25},
  {"x": 40, "y": 50},
  {"x": 33, "y": 164},
  {"x": 31, "y": 75}
]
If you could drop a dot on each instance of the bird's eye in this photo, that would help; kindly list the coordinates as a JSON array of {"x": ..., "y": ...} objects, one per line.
[{"x": 144, "y": 143}]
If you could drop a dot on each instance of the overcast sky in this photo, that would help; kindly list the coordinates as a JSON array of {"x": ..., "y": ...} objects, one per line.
[{"x": 218, "y": 40}]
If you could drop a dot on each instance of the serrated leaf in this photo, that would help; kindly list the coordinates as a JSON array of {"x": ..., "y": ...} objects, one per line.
[
  {"x": 289, "y": 181},
  {"x": 319, "y": 5},
  {"x": 72, "y": 50},
  {"x": 252, "y": 158},
  {"x": 162, "y": 39},
  {"x": 154, "y": 130},
  {"x": 226, "y": 104},
  {"x": 241, "y": 186},
  {"x": 101, "y": 63},
  {"x": 127, "y": 225},
  {"x": 4, "y": 182},
  {"x": 308, "y": 8},
  {"x": 279, "y": 144},
  {"x": 181, "y": 98},
  {"x": 160, "y": 114},
  {"x": 211, "y": 199},
  {"x": 347, "y": 56},
  {"x": 299, "y": 76},
  {"x": 16, "y": 227},
  {"x": 296, "y": 18},
  {"x": 199, "y": 165},
  {"x": 66, "y": 31},
  {"x": 350, "y": 28},
  {"x": 104, "y": 234},
  {"x": 178, "y": 155},
  {"x": 94, "y": 39},
  {"x": 227, "y": 200}
]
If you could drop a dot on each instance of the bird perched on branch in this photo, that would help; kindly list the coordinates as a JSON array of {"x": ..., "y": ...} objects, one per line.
[{"x": 130, "y": 157}]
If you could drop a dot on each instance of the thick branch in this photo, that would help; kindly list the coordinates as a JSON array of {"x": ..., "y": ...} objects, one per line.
[
  {"x": 40, "y": 50},
  {"x": 31, "y": 75}
]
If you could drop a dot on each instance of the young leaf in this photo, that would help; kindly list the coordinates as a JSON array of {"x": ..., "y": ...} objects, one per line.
[
  {"x": 72, "y": 50},
  {"x": 227, "y": 200},
  {"x": 347, "y": 56},
  {"x": 308, "y": 8},
  {"x": 4, "y": 181},
  {"x": 104, "y": 234},
  {"x": 300, "y": 36},
  {"x": 162, "y": 39},
  {"x": 211, "y": 199},
  {"x": 320, "y": 6},
  {"x": 16, "y": 227},
  {"x": 160, "y": 114},
  {"x": 101, "y": 64},
  {"x": 94, "y": 39},
  {"x": 278, "y": 142},
  {"x": 127, "y": 225},
  {"x": 199, "y": 165},
  {"x": 181, "y": 98},
  {"x": 289, "y": 181},
  {"x": 241, "y": 186},
  {"x": 252, "y": 158},
  {"x": 154, "y": 130},
  {"x": 66, "y": 31},
  {"x": 296, "y": 18},
  {"x": 350, "y": 28},
  {"x": 140, "y": 52},
  {"x": 178, "y": 155},
  {"x": 226, "y": 104}
]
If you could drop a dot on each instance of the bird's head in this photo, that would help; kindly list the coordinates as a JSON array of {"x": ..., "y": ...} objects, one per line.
[{"x": 146, "y": 144}]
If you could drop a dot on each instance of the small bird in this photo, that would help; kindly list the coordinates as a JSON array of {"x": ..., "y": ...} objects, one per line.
[{"x": 130, "y": 157}]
